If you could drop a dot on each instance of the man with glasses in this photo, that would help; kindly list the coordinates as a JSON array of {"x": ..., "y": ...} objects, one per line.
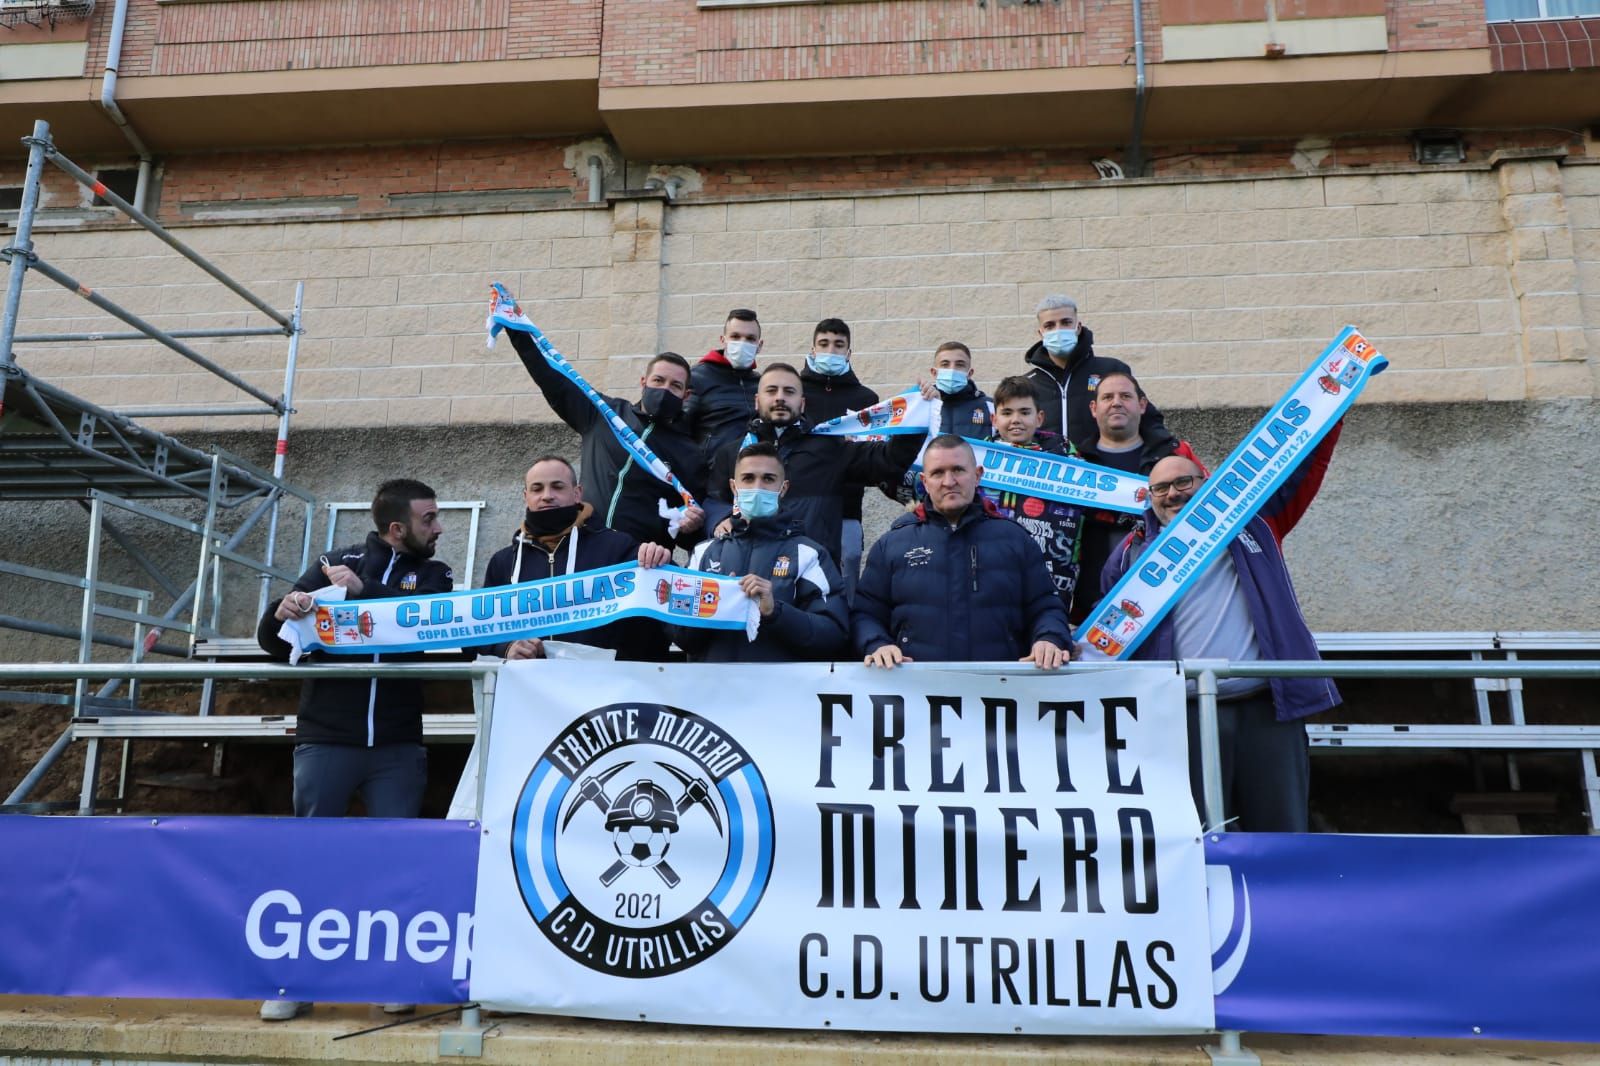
[{"x": 1243, "y": 608}]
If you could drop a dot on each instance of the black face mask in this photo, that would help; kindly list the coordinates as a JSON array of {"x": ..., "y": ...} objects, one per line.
[
  {"x": 662, "y": 405},
  {"x": 551, "y": 521}
]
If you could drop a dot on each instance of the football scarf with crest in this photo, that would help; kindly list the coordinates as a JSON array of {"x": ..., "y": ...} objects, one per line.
[
  {"x": 1231, "y": 496},
  {"x": 505, "y": 313},
  {"x": 585, "y": 600}
]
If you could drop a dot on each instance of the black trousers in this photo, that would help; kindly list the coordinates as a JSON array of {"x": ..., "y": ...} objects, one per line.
[{"x": 1266, "y": 766}]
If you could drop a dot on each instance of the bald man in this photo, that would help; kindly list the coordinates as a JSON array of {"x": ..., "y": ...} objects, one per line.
[{"x": 1242, "y": 608}]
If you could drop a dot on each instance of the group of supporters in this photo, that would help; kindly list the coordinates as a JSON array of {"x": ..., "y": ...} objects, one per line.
[{"x": 963, "y": 575}]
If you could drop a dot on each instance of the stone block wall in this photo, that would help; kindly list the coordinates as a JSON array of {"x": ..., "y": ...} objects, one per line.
[{"x": 1479, "y": 284}]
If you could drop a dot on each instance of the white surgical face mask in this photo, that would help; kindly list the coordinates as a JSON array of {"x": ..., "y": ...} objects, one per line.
[
  {"x": 950, "y": 382},
  {"x": 742, "y": 354},
  {"x": 1061, "y": 341}
]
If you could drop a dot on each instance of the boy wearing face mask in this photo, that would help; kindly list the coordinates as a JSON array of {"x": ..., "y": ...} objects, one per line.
[
  {"x": 791, "y": 578},
  {"x": 723, "y": 385},
  {"x": 624, "y": 494},
  {"x": 1065, "y": 372},
  {"x": 831, "y": 388},
  {"x": 560, "y": 534}
]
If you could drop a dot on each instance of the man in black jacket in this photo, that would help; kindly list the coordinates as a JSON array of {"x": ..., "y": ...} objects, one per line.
[
  {"x": 1123, "y": 442},
  {"x": 952, "y": 581},
  {"x": 364, "y": 735},
  {"x": 820, "y": 468},
  {"x": 625, "y": 494},
  {"x": 1065, "y": 371},
  {"x": 792, "y": 580},
  {"x": 831, "y": 388},
  {"x": 723, "y": 386},
  {"x": 560, "y": 535}
]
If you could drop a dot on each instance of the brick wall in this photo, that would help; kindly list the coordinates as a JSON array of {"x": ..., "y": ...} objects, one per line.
[
  {"x": 1479, "y": 284},
  {"x": 664, "y": 42},
  {"x": 253, "y": 35},
  {"x": 370, "y": 174}
]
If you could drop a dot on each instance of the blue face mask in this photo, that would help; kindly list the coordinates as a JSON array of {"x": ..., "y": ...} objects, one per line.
[
  {"x": 830, "y": 365},
  {"x": 1061, "y": 341},
  {"x": 756, "y": 503},
  {"x": 950, "y": 382}
]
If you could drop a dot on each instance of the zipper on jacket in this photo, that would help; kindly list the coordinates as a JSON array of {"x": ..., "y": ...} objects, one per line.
[
  {"x": 973, "y": 566},
  {"x": 372, "y": 692},
  {"x": 611, "y": 512}
]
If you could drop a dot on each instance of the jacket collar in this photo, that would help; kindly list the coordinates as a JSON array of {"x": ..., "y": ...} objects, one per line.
[{"x": 980, "y": 508}]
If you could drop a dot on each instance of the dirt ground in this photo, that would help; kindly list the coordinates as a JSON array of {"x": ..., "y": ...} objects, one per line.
[{"x": 1360, "y": 793}]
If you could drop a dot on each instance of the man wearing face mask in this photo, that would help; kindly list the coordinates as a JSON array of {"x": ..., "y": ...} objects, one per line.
[
  {"x": 561, "y": 534},
  {"x": 1243, "y": 608},
  {"x": 1065, "y": 372},
  {"x": 789, "y": 575},
  {"x": 723, "y": 387},
  {"x": 831, "y": 388},
  {"x": 625, "y": 494},
  {"x": 964, "y": 410},
  {"x": 820, "y": 469}
]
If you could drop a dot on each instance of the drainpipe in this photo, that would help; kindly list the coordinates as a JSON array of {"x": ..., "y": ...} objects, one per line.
[
  {"x": 1134, "y": 167},
  {"x": 108, "y": 101},
  {"x": 597, "y": 177}
]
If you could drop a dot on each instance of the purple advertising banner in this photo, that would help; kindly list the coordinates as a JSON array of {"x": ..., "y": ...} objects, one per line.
[
  {"x": 343, "y": 910},
  {"x": 1489, "y": 937}
]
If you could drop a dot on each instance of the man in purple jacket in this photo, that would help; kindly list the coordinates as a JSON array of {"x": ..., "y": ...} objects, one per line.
[{"x": 1243, "y": 608}]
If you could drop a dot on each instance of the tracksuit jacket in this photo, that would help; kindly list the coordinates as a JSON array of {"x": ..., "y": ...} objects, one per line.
[
  {"x": 362, "y": 710},
  {"x": 977, "y": 592},
  {"x": 1281, "y": 630},
  {"x": 820, "y": 470},
  {"x": 810, "y": 621},
  {"x": 602, "y": 458}
]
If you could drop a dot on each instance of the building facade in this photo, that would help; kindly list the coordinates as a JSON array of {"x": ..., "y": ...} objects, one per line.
[{"x": 1221, "y": 184}]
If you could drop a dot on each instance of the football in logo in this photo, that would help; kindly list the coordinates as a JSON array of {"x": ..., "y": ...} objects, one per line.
[{"x": 649, "y": 856}]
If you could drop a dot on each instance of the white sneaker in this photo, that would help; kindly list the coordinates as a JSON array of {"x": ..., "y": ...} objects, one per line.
[
  {"x": 399, "y": 1008},
  {"x": 281, "y": 1010}
]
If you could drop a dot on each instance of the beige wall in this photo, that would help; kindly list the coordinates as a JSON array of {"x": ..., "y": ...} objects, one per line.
[{"x": 1478, "y": 284}]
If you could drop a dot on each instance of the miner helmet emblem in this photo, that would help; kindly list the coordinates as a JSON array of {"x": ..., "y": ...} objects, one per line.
[{"x": 658, "y": 835}]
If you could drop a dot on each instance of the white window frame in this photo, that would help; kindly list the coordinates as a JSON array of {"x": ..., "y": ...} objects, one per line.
[{"x": 1545, "y": 16}]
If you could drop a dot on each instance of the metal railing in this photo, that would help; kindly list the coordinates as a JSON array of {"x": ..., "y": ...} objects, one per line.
[{"x": 1205, "y": 672}]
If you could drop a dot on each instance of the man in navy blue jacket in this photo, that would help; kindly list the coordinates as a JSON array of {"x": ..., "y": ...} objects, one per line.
[
  {"x": 952, "y": 581},
  {"x": 1243, "y": 607},
  {"x": 790, "y": 576}
]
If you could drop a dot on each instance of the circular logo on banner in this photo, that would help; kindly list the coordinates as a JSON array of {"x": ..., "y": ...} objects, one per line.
[{"x": 642, "y": 840}]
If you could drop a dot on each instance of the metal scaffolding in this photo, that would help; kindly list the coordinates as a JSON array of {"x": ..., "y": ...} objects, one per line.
[{"x": 58, "y": 446}]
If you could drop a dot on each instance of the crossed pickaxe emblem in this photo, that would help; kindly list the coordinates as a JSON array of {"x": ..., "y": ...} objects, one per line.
[{"x": 643, "y": 803}]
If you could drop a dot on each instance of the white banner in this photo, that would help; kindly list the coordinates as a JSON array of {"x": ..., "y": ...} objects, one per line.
[{"x": 806, "y": 846}]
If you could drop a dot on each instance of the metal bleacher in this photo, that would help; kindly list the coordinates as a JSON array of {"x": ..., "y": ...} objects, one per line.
[{"x": 1507, "y": 731}]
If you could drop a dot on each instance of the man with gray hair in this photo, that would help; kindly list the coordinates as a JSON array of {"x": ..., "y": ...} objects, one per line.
[{"x": 1065, "y": 372}]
